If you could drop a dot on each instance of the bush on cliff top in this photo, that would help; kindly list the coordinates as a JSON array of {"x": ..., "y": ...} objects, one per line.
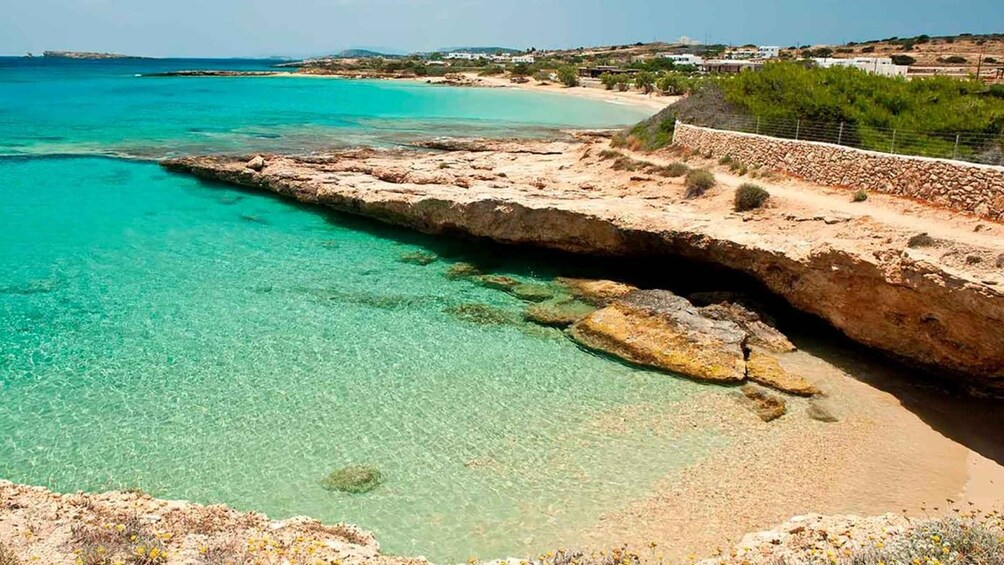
[
  {"x": 750, "y": 197},
  {"x": 970, "y": 539}
]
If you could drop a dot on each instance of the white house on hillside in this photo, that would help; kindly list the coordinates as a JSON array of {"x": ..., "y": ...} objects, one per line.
[
  {"x": 463, "y": 55},
  {"x": 525, "y": 59},
  {"x": 874, "y": 65},
  {"x": 768, "y": 52},
  {"x": 757, "y": 53},
  {"x": 683, "y": 59}
]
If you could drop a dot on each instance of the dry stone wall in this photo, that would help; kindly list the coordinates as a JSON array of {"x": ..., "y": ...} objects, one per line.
[{"x": 965, "y": 187}]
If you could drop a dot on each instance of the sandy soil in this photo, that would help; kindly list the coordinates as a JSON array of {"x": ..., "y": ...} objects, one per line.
[{"x": 882, "y": 456}]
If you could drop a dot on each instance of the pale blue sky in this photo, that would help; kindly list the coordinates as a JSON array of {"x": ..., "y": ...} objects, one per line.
[{"x": 304, "y": 27}]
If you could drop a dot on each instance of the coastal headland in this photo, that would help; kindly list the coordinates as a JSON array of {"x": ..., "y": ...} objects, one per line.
[
  {"x": 853, "y": 266},
  {"x": 822, "y": 431}
]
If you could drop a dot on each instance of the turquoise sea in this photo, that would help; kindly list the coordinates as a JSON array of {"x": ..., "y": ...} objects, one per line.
[{"x": 206, "y": 343}]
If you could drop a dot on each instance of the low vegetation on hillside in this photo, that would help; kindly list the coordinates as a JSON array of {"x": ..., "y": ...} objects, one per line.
[{"x": 871, "y": 107}]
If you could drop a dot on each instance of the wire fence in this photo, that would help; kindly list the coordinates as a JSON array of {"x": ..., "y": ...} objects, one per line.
[{"x": 978, "y": 147}]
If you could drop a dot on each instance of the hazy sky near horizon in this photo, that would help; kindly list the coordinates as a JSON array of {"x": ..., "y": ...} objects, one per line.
[{"x": 230, "y": 28}]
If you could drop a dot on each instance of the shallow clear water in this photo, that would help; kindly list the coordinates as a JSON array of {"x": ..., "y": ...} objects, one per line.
[
  {"x": 206, "y": 343},
  {"x": 103, "y": 107}
]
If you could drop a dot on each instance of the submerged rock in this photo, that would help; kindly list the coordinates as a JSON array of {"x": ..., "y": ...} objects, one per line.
[
  {"x": 820, "y": 411},
  {"x": 659, "y": 329},
  {"x": 598, "y": 292},
  {"x": 421, "y": 258},
  {"x": 760, "y": 333},
  {"x": 354, "y": 479},
  {"x": 253, "y": 219},
  {"x": 768, "y": 406},
  {"x": 462, "y": 271},
  {"x": 482, "y": 314},
  {"x": 763, "y": 368},
  {"x": 532, "y": 292},
  {"x": 496, "y": 282},
  {"x": 558, "y": 312}
]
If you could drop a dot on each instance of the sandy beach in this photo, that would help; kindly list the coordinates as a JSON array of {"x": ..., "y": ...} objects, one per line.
[{"x": 652, "y": 101}]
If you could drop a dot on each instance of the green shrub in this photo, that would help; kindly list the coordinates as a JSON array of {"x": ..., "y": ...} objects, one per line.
[
  {"x": 750, "y": 197},
  {"x": 608, "y": 80},
  {"x": 354, "y": 479},
  {"x": 674, "y": 170},
  {"x": 903, "y": 60},
  {"x": 645, "y": 81},
  {"x": 698, "y": 182},
  {"x": 860, "y": 195},
  {"x": 726, "y": 160},
  {"x": 568, "y": 76},
  {"x": 953, "y": 60},
  {"x": 542, "y": 76}
]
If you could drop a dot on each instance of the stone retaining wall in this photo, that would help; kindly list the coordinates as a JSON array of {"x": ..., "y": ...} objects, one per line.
[{"x": 965, "y": 187}]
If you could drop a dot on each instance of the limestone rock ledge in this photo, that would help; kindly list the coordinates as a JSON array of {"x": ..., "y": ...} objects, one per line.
[
  {"x": 861, "y": 277},
  {"x": 40, "y": 526}
]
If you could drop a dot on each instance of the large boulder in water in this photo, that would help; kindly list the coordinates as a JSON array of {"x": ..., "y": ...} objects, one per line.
[{"x": 659, "y": 329}]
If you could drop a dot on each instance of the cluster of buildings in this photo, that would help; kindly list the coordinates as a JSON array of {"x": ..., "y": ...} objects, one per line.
[
  {"x": 497, "y": 57},
  {"x": 734, "y": 60},
  {"x": 748, "y": 58}
]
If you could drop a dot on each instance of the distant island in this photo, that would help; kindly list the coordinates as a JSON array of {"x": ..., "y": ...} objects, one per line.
[{"x": 86, "y": 55}]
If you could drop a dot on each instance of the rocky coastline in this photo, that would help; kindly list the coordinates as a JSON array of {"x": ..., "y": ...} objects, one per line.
[
  {"x": 40, "y": 526},
  {"x": 930, "y": 305}
]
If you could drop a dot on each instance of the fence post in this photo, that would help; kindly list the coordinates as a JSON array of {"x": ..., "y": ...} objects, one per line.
[
  {"x": 840, "y": 136},
  {"x": 798, "y": 126},
  {"x": 892, "y": 149},
  {"x": 955, "y": 152},
  {"x": 758, "y": 125}
]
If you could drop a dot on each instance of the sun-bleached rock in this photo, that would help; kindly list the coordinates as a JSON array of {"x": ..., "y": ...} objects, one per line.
[{"x": 659, "y": 329}]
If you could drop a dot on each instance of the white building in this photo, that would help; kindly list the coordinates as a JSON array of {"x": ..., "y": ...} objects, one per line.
[
  {"x": 683, "y": 59},
  {"x": 525, "y": 59},
  {"x": 768, "y": 52},
  {"x": 463, "y": 55},
  {"x": 874, "y": 65},
  {"x": 741, "y": 54}
]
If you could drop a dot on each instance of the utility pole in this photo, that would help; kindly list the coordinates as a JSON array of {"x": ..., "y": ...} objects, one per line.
[{"x": 979, "y": 64}]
